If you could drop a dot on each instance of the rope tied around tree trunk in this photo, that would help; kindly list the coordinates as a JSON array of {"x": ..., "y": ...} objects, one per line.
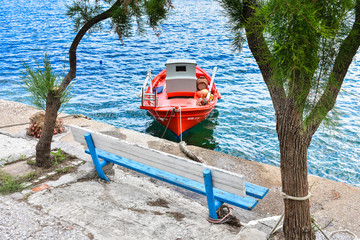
[{"x": 285, "y": 196}]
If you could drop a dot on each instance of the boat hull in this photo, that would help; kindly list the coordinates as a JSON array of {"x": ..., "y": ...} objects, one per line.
[{"x": 179, "y": 120}]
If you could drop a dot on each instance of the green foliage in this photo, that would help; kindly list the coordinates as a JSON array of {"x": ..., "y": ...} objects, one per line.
[
  {"x": 31, "y": 162},
  {"x": 157, "y": 11},
  {"x": 41, "y": 82},
  {"x": 82, "y": 11},
  {"x": 4, "y": 161},
  {"x": 63, "y": 170},
  {"x": 59, "y": 157},
  {"x": 30, "y": 176},
  {"x": 123, "y": 16},
  {"x": 9, "y": 184},
  {"x": 121, "y": 22},
  {"x": 303, "y": 38},
  {"x": 234, "y": 12}
]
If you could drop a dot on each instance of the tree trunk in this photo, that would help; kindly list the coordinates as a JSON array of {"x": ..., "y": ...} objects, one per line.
[
  {"x": 294, "y": 143},
  {"x": 53, "y": 103},
  {"x": 43, "y": 147}
]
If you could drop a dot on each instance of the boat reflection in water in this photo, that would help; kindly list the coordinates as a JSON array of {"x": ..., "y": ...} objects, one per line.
[{"x": 200, "y": 135}]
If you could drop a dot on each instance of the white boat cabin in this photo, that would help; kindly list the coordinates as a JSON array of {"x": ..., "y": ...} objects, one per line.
[{"x": 181, "y": 76}]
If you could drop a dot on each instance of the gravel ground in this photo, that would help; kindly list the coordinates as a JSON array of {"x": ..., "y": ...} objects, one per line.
[{"x": 20, "y": 221}]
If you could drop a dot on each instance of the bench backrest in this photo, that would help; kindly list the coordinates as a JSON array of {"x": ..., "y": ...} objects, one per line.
[{"x": 222, "y": 179}]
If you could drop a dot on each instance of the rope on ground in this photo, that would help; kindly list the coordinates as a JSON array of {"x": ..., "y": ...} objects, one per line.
[
  {"x": 334, "y": 232},
  {"x": 13, "y": 125},
  {"x": 188, "y": 153},
  {"x": 345, "y": 230},
  {"x": 322, "y": 232},
  {"x": 224, "y": 213}
]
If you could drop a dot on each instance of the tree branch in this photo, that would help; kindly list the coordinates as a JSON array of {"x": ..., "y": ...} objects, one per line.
[
  {"x": 262, "y": 54},
  {"x": 347, "y": 51},
  {"x": 72, "y": 52}
]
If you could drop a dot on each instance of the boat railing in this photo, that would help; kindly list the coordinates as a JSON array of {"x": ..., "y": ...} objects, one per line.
[
  {"x": 148, "y": 76},
  {"x": 151, "y": 97}
]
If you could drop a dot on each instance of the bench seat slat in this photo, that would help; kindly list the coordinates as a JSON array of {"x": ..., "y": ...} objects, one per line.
[
  {"x": 255, "y": 190},
  {"x": 245, "y": 202}
]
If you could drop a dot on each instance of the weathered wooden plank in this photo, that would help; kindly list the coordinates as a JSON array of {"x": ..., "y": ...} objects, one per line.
[{"x": 222, "y": 179}]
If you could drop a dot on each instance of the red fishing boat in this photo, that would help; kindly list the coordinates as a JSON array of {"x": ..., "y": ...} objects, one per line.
[{"x": 180, "y": 96}]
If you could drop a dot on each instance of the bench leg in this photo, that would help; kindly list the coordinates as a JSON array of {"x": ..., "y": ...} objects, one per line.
[
  {"x": 94, "y": 156},
  {"x": 213, "y": 204}
]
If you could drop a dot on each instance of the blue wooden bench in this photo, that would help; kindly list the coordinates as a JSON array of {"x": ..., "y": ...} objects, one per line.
[{"x": 218, "y": 185}]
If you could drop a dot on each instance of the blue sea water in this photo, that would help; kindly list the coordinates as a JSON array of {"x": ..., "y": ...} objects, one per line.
[{"x": 110, "y": 75}]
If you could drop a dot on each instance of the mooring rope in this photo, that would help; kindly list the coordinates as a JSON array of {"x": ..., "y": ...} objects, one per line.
[
  {"x": 276, "y": 228},
  {"x": 162, "y": 119},
  {"x": 345, "y": 230},
  {"x": 167, "y": 125},
  {"x": 182, "y": 144},
  {"x": 225, "y": 215},
  {"x": 180, "y": 125}
]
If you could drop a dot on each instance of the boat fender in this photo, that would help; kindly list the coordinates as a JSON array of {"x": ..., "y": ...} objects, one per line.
[{"x": 188, "y": 153}]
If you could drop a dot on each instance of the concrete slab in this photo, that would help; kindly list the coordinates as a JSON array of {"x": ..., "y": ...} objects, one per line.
[
  {"x": 251, "y": 234},
  {"x": 130, "y": 207},
  {"x": 12, "y": 148},
  {"x": 17, "y": 169}
]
